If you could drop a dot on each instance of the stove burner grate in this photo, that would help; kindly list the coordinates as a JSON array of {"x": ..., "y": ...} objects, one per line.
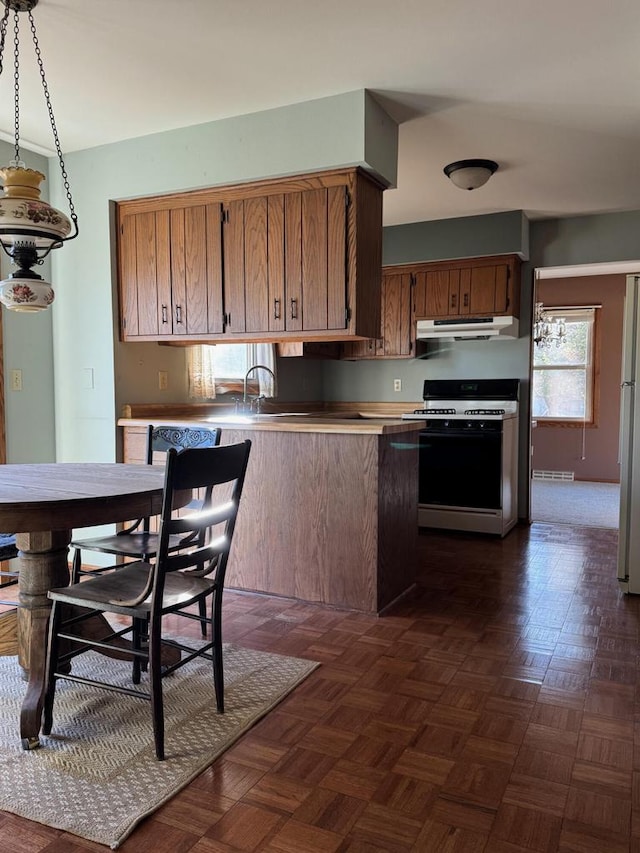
[
  {"x": 434, "y": 411},
  {"x": 484, "y": 412}
]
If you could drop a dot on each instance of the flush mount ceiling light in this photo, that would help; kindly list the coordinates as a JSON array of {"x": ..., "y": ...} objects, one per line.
[
  {"x": 470, "y": 174},
  {"x": 29, "y": 227}
]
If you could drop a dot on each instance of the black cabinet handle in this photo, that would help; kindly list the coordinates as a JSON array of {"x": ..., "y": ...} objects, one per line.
[
  {"x": 165, "y": 317},
  {"x": 178, "y": 313},
  {"x": 276, "y": 309},
  {"x": 294, "y": 309}
]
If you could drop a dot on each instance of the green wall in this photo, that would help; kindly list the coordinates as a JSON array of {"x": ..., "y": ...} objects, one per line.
[
  {"x": 28, "y": 346},
  {"x": 326, "y": 133}
]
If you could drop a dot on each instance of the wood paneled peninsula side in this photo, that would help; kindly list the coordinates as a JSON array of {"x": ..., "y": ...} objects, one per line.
[{"x": 329, "y": 508}]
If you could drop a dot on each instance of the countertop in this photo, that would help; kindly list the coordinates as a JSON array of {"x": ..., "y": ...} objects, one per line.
[{"x": 346, "y": 424}]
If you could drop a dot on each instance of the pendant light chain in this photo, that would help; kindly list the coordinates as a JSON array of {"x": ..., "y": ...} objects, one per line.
[
  {"x": 54, "y": 129},
  {"x": 16, "y": 85},
  {"x": 3, "y": 34}
]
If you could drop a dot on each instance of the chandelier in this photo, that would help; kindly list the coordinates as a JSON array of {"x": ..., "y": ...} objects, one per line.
[
  {"x": 548, "y": 331},
  {"x": 29, "y": 227}
]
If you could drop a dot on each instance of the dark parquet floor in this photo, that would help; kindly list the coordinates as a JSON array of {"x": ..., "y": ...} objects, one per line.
[{"x": 494, "y": 712}]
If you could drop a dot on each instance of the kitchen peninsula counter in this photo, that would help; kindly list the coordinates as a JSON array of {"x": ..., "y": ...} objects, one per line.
[{"x": 329, "y": 508}]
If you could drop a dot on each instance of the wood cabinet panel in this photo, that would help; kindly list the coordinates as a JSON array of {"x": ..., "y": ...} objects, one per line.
[
  {"x": 163, "y": 272},
  {"x": 195, "y": 222},
  {"x": 178, "y": 272},
  {"x": 276, "y": 262},
  {"x": 293, "y": 263},
  {"x": 127, "y": 278},
  {"x": 256, "y": 264},
  {"x": 396, "y": 313},
  {"x": 336, "y": 256},
  {"x": 146, "y": 272},
  {"x": 314, "y": 260},
  {"x": 234, "y": 278},
  {"x": 215, "y": 308}
]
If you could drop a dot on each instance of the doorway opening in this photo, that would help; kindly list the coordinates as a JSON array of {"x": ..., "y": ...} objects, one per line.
[{"x": 574, "y": 471}]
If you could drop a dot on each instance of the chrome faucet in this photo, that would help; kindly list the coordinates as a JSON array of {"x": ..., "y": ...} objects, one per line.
[{"x": 244, "y": 384}]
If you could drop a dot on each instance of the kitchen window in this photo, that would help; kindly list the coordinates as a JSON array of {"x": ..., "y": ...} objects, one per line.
[
  {"x": 221, "y": 368},
  {"x": 564, "y": 376}
]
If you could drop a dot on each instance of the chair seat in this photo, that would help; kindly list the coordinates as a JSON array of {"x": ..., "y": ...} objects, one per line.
[
  {"x": 127, "y": 544},
  {"x": 127, "y": 583},
  {"x": 8, "y": 549}
]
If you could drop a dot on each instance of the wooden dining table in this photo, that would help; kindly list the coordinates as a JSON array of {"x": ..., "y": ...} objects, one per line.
[{"x": 42, "y": 504}]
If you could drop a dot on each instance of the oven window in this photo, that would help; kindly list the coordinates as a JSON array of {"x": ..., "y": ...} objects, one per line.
[{"x": 461, "y": 469}]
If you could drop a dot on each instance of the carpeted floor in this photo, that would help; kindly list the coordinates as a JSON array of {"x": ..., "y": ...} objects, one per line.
[
  {"x": 96, "y": 775},
  {"x": 580, "y": 503}
]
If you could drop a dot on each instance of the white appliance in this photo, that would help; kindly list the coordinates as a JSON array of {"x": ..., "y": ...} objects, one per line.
[
  {"x": 474, "y": 328},
  {"x": 468, "y": 455},
  {"x": 629, "y": 456}
]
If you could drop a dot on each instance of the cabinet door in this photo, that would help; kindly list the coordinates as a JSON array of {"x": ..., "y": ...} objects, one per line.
[
  {"x": 437, "y": 294},
  {"x": 396, "y": 315},
  {"x": 144, "y": 272},
  {"x": 196, "y": 270},
  {"x": 315, "y": 259},
  {"x": 254, "y": 265},
  {"x": 483, "y": 290}
]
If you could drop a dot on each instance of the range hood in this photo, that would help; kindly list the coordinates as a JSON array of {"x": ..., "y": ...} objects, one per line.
[{"x": 468, "y": 328}]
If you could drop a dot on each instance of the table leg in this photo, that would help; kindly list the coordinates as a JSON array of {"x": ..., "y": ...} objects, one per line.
[{"x": 43, "y": 565}]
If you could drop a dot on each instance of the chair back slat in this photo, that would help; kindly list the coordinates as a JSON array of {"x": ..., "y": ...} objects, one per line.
[
  {"x": 161, "y": 439},
  {"x": 220, "y": 472}
]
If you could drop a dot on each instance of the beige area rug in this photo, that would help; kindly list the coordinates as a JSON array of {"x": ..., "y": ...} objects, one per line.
[
  {"x": 580, "y": 503},
  {"x": 96, "y": 775}
]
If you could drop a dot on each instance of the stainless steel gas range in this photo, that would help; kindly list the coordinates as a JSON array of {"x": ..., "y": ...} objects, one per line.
[{"x": 468, "y": 455}]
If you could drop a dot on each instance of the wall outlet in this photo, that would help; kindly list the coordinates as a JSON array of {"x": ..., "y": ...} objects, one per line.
[
  {"x": 16, "y": 380},
  {"x": 397, "y": 384},
  {"x": 163, "y": 380}
]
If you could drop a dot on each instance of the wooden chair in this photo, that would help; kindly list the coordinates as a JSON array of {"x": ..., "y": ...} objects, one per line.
[
  {"x": 8, "y": 551},
  {"x": 137, "y": 540},
  {"x": 145, "y": 592}
]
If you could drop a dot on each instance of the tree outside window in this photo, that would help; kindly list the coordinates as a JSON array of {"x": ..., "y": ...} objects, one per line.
[{"x": 564, "y": 378}]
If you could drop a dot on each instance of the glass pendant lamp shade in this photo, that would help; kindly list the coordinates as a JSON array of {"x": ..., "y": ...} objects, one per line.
[
  {"x": 24, "y": 217},
  {"x": 26, "y": 291}
]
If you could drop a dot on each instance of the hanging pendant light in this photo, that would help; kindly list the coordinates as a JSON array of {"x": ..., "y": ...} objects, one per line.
[
  {"x": 548, "y": 331},
  {"x": 29, "y": 227}
]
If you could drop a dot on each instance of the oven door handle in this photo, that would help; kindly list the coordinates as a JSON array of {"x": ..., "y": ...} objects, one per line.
[{"x": 460, "y": 433}]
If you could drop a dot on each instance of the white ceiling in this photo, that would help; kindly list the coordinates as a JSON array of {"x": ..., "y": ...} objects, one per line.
[{"x": 550, "y": 90}]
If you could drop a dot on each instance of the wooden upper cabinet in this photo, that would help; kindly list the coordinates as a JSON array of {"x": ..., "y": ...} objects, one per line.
[
  {"x": 397, "y": 339},
  {"x": 170, "y": 273},
  {"x": 291, "y": 259},
  {"x": 478, "y": 287}
]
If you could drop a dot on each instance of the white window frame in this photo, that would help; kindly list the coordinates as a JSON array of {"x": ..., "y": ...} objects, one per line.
[{"x": 574, "y": 315}]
